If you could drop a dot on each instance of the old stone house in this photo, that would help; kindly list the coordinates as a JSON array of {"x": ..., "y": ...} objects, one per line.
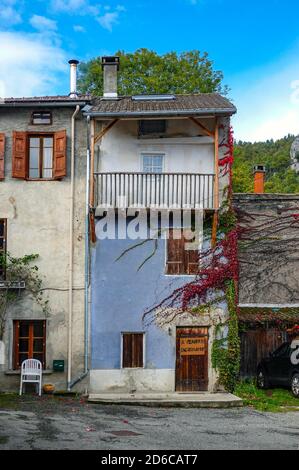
[
  {"x": 268, "y": 279},
  {"x": 43, "y": 211}
]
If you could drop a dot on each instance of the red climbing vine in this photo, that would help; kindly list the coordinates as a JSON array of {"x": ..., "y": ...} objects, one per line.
[{"x": 218, "y": 264}]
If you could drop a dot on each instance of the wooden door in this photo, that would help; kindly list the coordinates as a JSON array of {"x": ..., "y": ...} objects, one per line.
[
  {"x": 192, "y": 359},
  {"x": 256, "y": 345}
]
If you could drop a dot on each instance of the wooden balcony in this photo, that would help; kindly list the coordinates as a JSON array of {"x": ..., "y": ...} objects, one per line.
[{"x": 152, "y": 190}]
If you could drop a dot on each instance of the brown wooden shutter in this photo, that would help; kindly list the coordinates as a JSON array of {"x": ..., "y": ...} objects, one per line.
[
  {"x": 190, "y": 258},
  {"x": 2, "y": 153},
  {"x": 132, "y": 350},
  {"x": 192, "y": 261},
  {"x": 19, "y": 155},
  {"x": 60, "y": 154},
  {"x": 180, "y": 260},
  {"x": 16, "y": 362},
  {"x": 175, "y": 253}
]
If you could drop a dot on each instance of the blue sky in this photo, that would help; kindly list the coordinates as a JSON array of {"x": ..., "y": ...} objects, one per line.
[{"x": 255, "y": 44}]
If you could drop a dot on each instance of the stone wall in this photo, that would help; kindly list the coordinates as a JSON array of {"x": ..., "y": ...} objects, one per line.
[{"x": 269, "y": 267}]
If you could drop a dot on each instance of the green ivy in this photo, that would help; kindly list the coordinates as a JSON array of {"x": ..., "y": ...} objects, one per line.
[
  {"x": 227, "y": 359},
  {"x": 16, "y": 270}
]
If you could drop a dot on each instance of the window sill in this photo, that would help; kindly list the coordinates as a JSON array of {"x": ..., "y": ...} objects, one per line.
[
  {"x": 18, "y": 372},
  {"x": 41, "y": 179}
]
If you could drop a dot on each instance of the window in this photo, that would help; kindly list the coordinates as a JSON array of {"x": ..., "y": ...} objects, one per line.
[
  {"x": 179, "y": 259},
  {"x": 29, "y": 341},
  {"x": 41, "y": 157},
  {"x": 42, "y": 117},
  {"x": 132, "y": 350},
  {"x": 152, "y": 163},
  {"x": 2, "y": 247},
  {"x": 152, "y": 127}
]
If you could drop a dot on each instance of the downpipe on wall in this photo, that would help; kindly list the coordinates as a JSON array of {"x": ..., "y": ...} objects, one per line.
[{"x": 72, "y": 383}]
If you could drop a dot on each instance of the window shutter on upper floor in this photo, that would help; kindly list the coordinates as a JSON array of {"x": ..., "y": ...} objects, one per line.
[
  {"x": 19, "y": 155},
  {"x": 2, "y": 153},
  {"x": 191, "y": 257},
  {"x": 180, "y": 260},
  {"x": 60, "y": 154},
  {"x": 175, "y": 250},
  {"x": 192, "y": 261}
]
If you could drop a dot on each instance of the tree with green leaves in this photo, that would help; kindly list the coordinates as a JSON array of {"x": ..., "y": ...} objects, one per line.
[
  {"x": 275, "y": 156},
  {"x": 146, "y": 72}
]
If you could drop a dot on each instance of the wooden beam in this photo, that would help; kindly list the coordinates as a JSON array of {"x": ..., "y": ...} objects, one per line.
[
  {"x": 203, "y": 128},
  {"x": 216, "y": 166},
  {"x": 104, "y": 131},
  {"x": 94, "y": 139}
]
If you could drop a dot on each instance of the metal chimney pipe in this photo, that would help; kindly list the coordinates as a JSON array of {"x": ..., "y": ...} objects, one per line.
[{"x": 73, "y": 78}]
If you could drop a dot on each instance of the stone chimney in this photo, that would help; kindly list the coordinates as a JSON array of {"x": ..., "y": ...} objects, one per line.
[
  {"x": 110, "y": 66},
  {"x": 73, "y": 77},
  {"x": 259, "y": 172}
]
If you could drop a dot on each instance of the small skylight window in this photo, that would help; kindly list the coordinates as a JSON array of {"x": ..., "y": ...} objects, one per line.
[{"x": 153, "y": 97}]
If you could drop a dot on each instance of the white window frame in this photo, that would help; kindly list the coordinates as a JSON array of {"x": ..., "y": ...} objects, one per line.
[
  {"x": 152, "y": 154},
  {"x": 122, "y": 347}
]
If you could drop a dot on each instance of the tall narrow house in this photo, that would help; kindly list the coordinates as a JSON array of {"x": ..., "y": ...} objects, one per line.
[
  {"x": 154, "y": 160},
  {"x": 42, "y": 212}
]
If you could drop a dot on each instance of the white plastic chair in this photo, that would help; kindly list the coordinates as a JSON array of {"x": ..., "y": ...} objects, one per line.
[{"x": 31, "y": 372}]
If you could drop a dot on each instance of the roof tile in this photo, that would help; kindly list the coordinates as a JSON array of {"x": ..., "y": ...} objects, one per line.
[{"x": 189, "y": 104}]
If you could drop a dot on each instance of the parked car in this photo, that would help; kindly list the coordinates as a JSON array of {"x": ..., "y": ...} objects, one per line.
[{"x": 279, "y": 370}]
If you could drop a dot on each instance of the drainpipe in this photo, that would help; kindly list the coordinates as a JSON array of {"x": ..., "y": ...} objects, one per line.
[
  {"x": 71, "y": 384},
  {"x": 71, "y": 242}
]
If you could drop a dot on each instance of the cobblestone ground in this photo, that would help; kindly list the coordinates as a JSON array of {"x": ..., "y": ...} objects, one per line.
[{"x": 68, "y": 423}]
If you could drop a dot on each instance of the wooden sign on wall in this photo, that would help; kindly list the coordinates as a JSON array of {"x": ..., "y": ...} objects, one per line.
[{"x": 193, "y": 346}]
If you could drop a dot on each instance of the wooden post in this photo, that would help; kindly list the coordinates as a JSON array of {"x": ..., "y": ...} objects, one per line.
[
  {"x": 214, "y": 229},
  {"x": 216, "y": 185},
  {"x": 216, "y": 167}
]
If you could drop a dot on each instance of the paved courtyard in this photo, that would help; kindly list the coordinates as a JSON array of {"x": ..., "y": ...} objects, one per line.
[{"x": 67, "y": 423}]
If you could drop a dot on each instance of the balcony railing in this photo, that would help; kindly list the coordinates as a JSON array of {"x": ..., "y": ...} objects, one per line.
[
  {"x": 152, "y": 190},
  {"x": 166, "y": 190}
]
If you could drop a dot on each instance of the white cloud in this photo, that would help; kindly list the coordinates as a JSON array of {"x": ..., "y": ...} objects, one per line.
[
  {"x": 78, "y": 28},
  {"x": 9, "y": 16},
  {"x": 69, "y": 6},
  {"x": 265, "y": 100},
  {"x": 105, "y": 15},
  {"x": 30, "y": 64},
  {"x": 75, "y": 7},
  {"x": 42, "y": 23},
  {"x": 108, "y": 20}
]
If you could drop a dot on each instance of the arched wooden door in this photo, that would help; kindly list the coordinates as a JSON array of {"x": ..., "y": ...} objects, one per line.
[{"x": 192, "y": 359}]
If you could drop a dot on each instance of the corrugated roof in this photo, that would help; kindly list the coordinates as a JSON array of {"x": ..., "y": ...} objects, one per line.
[
  {"x": 203, "y": 103},
  {"x": 267, "y": 314}
]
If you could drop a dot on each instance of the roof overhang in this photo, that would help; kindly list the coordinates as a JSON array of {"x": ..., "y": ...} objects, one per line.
[
  {"x": 45, "y": 104},
  {"x": 157, "y": 114}
]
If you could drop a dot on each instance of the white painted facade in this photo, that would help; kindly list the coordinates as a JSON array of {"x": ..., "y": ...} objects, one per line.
[{"x": 185, "y": 151}]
